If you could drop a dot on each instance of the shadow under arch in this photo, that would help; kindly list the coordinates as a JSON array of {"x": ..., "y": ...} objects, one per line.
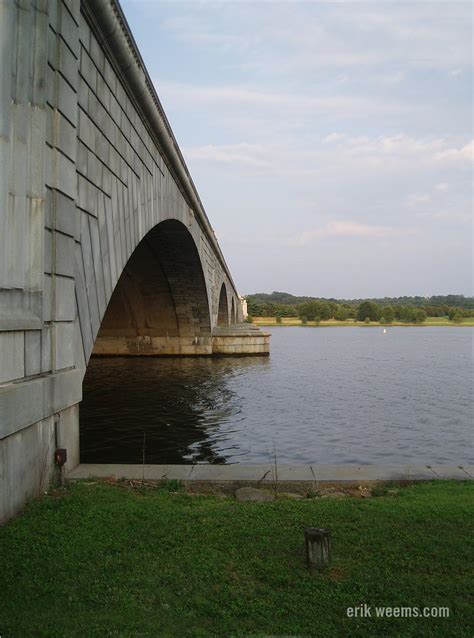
[
  {"x": 163, "y": 411},
  {"x": 223, "y": 312},
  {"x": 160, "y": 304},
  {"x": 232, "y": 312}
]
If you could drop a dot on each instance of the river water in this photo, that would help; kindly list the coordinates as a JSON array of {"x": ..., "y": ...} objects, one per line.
[{"x": 326, "y": 395}]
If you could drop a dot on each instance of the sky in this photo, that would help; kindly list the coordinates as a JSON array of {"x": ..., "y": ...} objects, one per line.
[{"x": 331, "y": 142}]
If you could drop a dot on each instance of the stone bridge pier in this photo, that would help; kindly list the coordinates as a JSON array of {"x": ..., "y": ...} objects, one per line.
[{"x": 105, "y": 247}]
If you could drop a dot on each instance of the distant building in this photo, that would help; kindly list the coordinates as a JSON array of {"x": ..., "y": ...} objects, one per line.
[{"x": 243, "y": 303}]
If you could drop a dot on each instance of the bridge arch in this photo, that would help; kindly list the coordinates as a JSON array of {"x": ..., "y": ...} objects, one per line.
[
  {"x": 160, "y": 304},
  {"x": 223, "y": 308}
]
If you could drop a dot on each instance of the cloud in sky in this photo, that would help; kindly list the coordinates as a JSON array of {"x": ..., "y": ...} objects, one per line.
[
  {"x": 328, "y": 138},
  {"x": 350, "y": 229},
  {"x": 242, "y": 96},
  {"x": 280, "y": 37},
  {"x": 464, "y": 154},
  {"x": 380, "y": 150}
]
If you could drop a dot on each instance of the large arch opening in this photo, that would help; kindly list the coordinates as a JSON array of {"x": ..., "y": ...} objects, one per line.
[
  {"x": 160, "y": 304},
  {"x": 159, "y": 307},
  {"x": 223, "y": 312},
  {"x": 147, "y": 409}
]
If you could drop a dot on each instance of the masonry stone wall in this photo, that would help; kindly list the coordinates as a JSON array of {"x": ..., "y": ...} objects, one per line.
[{"x": 88, "y": 167}]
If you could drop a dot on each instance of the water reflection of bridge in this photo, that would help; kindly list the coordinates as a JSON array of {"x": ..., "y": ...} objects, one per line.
[{"x": 163, "y": 411}]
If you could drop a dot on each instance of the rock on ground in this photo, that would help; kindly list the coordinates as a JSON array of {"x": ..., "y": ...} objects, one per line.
[{"x": 331, "y": 492}]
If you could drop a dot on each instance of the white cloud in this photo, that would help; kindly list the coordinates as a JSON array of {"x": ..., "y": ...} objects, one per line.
[
  {"x": 333, "y": 137},
  {"x": 414, "y": 200},
  {"x": 304, "y": 36},
  {"x": 462, "y": 155},
  {"x": 350, "y": 229},
  {"x": 391, "y": 79},
  {"x": 339, "y": 153},
  {"x": 456, "y": 217},
  {"x": 423, "y": 34},
  {"x": 244, "y": 154},
  {"x": 287, "y": 103},
  {"x": 193, "y": 29}
]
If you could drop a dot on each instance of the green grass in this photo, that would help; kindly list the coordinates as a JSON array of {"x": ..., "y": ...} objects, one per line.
[
  {"x": 101, "y": 560},
  {"x": 294, "y": 321}
]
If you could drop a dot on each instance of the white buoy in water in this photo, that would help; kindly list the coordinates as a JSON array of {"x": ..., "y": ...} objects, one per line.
[{"x": 385, "y": 331}]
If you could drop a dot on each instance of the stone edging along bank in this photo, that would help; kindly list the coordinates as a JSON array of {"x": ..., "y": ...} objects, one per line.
[{"x": 265, "y": 474}]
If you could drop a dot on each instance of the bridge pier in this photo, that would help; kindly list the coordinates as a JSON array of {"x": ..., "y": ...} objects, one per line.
[
  {"x": 155, "y": 346},
  {"x": 233, "y": 340},
  {"x": 240, "y": 340}
]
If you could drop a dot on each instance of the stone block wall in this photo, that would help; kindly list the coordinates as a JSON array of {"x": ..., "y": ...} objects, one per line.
[{"x": 88, "y": 166}]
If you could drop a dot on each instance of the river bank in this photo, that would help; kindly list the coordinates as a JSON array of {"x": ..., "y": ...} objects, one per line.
[
  {"x": 105, "y": 559},
  {"x": 332, "y": 323}
]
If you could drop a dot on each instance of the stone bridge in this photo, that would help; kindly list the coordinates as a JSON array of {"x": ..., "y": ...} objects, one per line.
[{"x": 105, "y": 247}]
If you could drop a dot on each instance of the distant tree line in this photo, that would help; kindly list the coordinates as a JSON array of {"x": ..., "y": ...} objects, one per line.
[{"x": 386, "y": 310}]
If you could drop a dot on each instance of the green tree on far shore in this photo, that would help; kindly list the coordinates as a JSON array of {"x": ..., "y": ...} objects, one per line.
[
  {"x": 403, "y": 308},
  {"x": 388, "y": 313},
  {"x": 312, "y": 309},
  {"x": 420, "y": 316},
  {"x": 341, "y": 314},
  {"x": 368, "y": 309},
  {"x": 459, "y": 313},
  {"x": 412, "y": 314}
]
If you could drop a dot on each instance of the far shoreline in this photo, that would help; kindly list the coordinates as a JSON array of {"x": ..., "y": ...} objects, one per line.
[{"x": 332, "y": 323}]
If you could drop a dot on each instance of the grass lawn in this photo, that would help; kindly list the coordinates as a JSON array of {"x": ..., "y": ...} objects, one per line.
[
  {"x": 294, "y": 321},
  {"x": 102, "y": 560}
]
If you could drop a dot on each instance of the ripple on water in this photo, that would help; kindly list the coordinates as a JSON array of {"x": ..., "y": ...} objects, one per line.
[{"x": 324, "y": 396}]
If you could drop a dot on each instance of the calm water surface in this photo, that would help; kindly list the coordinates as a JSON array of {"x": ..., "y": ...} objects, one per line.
[{"x": 327, "y": 395}]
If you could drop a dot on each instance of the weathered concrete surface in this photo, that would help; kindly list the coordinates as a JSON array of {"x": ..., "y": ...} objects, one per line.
[
  {"x": 265, "y": 473},
  {"x": 228, "y": 342},
  {"x": 240, "y": 339},
  {"x": 102, "y": 232}
]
